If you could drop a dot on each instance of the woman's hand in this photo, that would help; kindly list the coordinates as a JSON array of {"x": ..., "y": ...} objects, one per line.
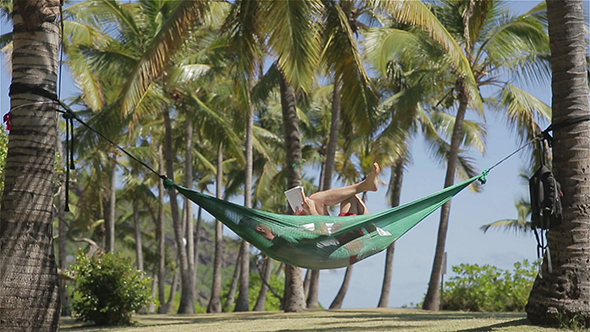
[{"x": 309, "y": 206}]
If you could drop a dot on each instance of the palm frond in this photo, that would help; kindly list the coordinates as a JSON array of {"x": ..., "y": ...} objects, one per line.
[
  {"x": 186, "y": 15},
  {"x": 342, "y": 55},
  {"x": 416, "y": 13},
  {"x": 294, "y": 35}
]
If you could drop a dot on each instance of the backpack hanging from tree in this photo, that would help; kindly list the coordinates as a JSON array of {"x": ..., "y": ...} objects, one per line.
[
  {"x": 546, "y": 210},
  {"x": 546, "y": 195}
]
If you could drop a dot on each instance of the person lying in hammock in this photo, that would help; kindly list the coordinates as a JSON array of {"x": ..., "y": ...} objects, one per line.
[{"x": 350, "y": 203}]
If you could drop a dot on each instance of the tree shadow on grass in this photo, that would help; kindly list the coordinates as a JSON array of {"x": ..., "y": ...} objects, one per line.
[
  {"x": 489, "y": 328},
  {"x": 349, "y": 320}
]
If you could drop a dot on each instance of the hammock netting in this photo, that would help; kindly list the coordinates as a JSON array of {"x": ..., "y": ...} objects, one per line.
[{"x": 318, "y": 241}]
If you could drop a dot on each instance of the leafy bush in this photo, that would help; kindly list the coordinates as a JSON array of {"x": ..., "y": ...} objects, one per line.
[
  {"x": 108, "y": 290},
  {"x": 487, "y": 288}
]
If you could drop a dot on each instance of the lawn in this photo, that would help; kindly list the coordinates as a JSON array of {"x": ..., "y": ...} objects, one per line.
[{"x": 328, "y": 321}]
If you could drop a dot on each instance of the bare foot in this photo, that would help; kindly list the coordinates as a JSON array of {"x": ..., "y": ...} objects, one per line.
[{"x": 371, "y": 183}]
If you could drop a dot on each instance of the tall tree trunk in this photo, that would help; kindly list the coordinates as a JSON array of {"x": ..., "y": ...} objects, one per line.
[
  {"x": 432, "y": 299},
  {"x": 397, "y": 174},
  {"x": 62, "y": 231},
  {"x": 161, "y": 237},
  {"x": 152, "y": 306},
  {"x": 29, "y": 286},
  {"x": 339, "y": 299},
  {"x": 231, "y": 296},
  {"x": 306, "y": 282},
  {"x": 138, "y": 237},
  {"x": 266, "y": 274},
  {"x": 564, "y": 293},
  {"x": 326, "y": 183},
  {"x": 197, "y": 241},
  {"x": 110, "y": 213},
  {"x": 215, "y": 300},
  {"x": 294, "y": 299},
  {"x": 187, "y": 294},
  {"x": 243, "y": 302},
  {"x": 188, "y": 207},
  {"x": 63, "y": 254},
  {"x": 173, "y": 289}
]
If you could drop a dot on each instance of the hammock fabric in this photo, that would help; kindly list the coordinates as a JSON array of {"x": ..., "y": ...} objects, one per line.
[{"x": 318, "y": 241}]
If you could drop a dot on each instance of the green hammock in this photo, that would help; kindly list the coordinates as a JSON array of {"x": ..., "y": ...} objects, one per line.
[{"x": 318, "y": 241}]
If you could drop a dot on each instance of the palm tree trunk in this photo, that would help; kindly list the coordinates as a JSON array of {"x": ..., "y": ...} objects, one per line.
[
  {"x": 172, "y": 294},
  {"x": 306, "y": 281},
  {"x": 187, "y": 293},
  {"x": 266, "y": 273},
  {"x": 197, "y": 242},
  {"x": 332, "y": 146},
  {"x": 215, "y": 300},
  {"x": 62, "y": 252},
  {"x": 326, "y": 182},
  {"x": 339, "y": 299},
  {"x": 138, "y": 237},
  {"x": 243, "y": 302},
  {"x": 152, "y": 306},
  {"x": 294, "y": 299},
  {"x": 161, "y": 237},
  {"x": 432, "y": 299},
  {"x": 110, "y": 212},
  {"x": 396, "y": 180},
  {"x": 62, "y": 231},
  {"x": 231, "y": 296},
  {"x": 188, "y": 207},
  {"x": 563, "y": 294},
  {"x": 29, "y": 285}
]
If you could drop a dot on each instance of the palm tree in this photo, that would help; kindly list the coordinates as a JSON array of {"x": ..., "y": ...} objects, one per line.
[
  {"x": 562, "y": 295},
  {"x": 293, "y": 35},
  {"x": 244, "y": 47},
  {"x": 493, "y": 43},
  {"x": 409, "y": 109},
  {"x": 148, "y": 59},
  {"x": 27, "y": 216}
]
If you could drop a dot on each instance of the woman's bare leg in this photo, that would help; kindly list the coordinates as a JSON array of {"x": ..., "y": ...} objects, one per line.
[{"x": 335, "y": 196}]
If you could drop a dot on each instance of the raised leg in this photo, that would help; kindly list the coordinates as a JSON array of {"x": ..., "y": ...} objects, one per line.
[{"x": 335, "y": 196}]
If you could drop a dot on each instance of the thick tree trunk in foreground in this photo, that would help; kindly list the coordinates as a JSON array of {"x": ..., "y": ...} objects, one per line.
[
  {"x": 563, "y": 295},
  {"x": 29, "y": 285}
]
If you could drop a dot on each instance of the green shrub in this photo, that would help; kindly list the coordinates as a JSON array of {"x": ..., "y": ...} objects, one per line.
[
  {"x": 487, "y": 288},
  {"x": 108, "y": 290}
]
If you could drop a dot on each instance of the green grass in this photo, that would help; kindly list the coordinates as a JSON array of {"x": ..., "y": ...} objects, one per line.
[{"x": 327, "y": 321}]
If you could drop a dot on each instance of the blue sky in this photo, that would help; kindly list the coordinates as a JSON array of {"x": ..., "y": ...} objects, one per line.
[{"x": 414, "y": 252}]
